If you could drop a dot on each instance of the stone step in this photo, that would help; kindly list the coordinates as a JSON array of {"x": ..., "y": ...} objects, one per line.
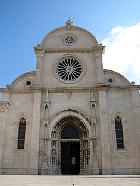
[{"x": 33, "y": 180}]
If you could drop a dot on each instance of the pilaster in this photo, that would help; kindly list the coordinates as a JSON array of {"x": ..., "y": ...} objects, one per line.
[
  {"x": 105, "y": 142},
  {"x": 4, "y": 107},
  {"x": 40, "y": 52},
  {"x": 34, "y": 151},
  {"x": 99, "y": 66}
]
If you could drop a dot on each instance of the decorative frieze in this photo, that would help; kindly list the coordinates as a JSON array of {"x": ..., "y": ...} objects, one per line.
[
  {"x": 40, "y": 49},
  {"x": 96, "y": 88},
  {"x": 94, "y": 49}
]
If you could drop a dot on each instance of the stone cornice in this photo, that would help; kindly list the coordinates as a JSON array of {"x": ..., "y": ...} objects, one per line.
[
  {"x": 100, "y": 87},
  {"x": 69, "y": 50},
  {"x": 40, "y": 50}
]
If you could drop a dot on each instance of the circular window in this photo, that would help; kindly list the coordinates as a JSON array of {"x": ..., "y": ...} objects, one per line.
[
  {"x": 28, "y": 83},
  {"x": 69, "y": 69},
  {"x": 110, "y": 80}
]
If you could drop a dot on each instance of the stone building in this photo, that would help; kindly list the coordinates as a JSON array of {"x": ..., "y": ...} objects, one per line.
[{"x": 70, "y": 116}]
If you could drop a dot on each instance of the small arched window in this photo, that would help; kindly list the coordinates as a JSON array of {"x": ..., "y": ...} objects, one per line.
[
  {"x": 119, "y": 133},
  {"x": 21, "y": 133}
]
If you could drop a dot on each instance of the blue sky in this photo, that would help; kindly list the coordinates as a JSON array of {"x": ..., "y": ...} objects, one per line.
[{"x": 24, "y": 23}]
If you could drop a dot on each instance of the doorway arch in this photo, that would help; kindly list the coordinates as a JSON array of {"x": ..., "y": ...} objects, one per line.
[{"x": 70, "y": 146}]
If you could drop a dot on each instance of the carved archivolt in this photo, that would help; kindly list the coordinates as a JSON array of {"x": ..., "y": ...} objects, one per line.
[
  {"x": 72, "y": 111},
  {"x": 4, "y": 106},
  {"x": 56, "y": 132}
]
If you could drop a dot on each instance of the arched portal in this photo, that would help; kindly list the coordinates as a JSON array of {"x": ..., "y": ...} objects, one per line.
[{"x": 70, "y": 146}]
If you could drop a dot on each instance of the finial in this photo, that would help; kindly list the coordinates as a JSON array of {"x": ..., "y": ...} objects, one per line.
[{"x": 69, "y": 23}]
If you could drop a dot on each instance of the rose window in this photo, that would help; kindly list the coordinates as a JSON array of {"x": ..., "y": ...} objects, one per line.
[{"x": 69, "y": 69}]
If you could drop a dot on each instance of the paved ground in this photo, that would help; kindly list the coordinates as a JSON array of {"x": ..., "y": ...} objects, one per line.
[{"x": 16, "y": 180}]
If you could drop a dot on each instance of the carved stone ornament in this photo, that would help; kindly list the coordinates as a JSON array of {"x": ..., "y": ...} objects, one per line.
[
  {"x": 69, "y": 94},
  {"x": 39, "y": 49},
  {"x": 4, "y": 106},
  {"x": 99, "y": 49},
  {"x": 93, "y": 121},
  {"x": 69, "y": 39}
]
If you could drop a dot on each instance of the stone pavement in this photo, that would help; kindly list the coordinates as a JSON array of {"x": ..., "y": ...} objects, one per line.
[{"x": 32, "y": 180}]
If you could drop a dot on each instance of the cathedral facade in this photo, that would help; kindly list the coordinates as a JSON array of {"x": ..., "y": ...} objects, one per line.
[{"x": 70, "y": 116}]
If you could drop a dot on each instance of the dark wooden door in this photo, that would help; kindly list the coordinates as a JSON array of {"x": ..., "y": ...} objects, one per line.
[{"x": 70, "y": 157}]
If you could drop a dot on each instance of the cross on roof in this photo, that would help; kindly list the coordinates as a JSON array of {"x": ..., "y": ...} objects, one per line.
[{"x": 69, "y": 24}]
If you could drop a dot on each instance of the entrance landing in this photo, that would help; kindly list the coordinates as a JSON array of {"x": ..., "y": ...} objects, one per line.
[{"x": 31, "y": 180}]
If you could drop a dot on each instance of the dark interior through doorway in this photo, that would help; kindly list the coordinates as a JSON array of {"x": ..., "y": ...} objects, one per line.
[
  {"x": 70, "y": 149},
  {"x": 70, "y": 157}
]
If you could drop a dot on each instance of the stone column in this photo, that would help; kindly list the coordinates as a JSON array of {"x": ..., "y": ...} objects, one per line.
[
  {"x": 99, "y": 66},
  {"x": 34, "y": 151},
  {"x": 104, "y": 125},
  {"x": 40, "y": 51}
]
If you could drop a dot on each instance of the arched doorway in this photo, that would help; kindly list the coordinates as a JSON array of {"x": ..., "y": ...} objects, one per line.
[
  {"x": 70, "y": 149},
  {"x": 70, "y": 142}
]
